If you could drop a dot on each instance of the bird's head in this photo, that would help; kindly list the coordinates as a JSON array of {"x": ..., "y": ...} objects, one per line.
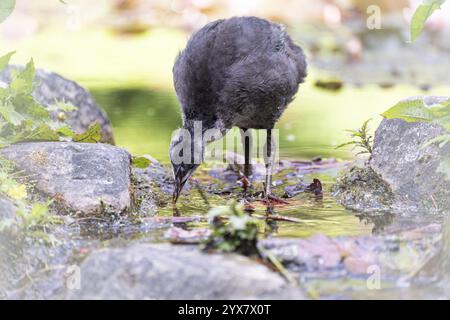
[
  {"x": 184, "y": 158},
  {"x": 181, "y": 173}
]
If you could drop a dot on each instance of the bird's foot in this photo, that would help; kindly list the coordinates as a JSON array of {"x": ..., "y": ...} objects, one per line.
[{"x": 246, "y": 185}]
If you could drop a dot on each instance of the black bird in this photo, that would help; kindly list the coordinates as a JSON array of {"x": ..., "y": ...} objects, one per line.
[{"x": 242, "y": 72}]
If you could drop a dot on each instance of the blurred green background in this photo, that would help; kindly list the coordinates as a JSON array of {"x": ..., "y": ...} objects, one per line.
[{"x": 123, "y": 52}]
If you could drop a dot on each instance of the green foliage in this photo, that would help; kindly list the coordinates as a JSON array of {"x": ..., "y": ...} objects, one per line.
[
  {"x": 421, "y": 15},
  {"x": 415, "y": 110},
  {"x": 6, "y": 8},
  {"x": 22, "y": 118},
  {"x": 140, "y": 162},
  {"x": 361, "y": 139},
  {"x": 233, "y": 230}
]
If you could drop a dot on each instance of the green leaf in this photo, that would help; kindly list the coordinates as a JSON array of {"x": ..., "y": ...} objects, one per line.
[
  {"x": 8, "y": 112},
  {"x": 4, "y": 60},
  {"x": 421, "y": 15},
  {"x": 346, "y": 144},
  {"x": 91, "y": 135},
  {"x": 23, "y": 81},
  {"x": 140, "y": 162},
  {"x": 410, "y": 111},
  {"x": 6, "y": 8}
]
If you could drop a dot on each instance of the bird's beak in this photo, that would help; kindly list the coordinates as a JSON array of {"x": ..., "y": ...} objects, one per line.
[{"x": 180, "y": 180}]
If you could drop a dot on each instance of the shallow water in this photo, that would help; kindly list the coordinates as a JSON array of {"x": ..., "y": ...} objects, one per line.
[{"x": 143, "y": 121}]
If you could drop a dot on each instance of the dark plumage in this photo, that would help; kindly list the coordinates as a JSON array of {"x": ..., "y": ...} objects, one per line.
[{"x": 240, "y": 72}]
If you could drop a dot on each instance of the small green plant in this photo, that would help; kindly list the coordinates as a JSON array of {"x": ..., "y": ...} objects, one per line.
[
  {"x": 421, "y": 15},
  {"x": 233, "y": 230},
  {"x": 361, "y": 138},
  {"x": 31, "y": 220}
]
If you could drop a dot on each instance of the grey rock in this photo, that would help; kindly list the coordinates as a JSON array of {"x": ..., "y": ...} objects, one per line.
[
  {"x": 51, "y": 87},
  {"x": 164, "y": 271},
  {"x": 409, "y": 171},
  {"x": 81, "y": 177},
  {"x": 7, "y": 208}
]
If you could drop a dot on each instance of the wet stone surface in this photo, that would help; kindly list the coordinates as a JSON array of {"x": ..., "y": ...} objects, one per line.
[
  {"x": 82, "y": 178},
  {"x": 7, "y": 208}
]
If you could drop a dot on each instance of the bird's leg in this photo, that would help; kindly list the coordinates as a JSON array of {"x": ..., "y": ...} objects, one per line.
[
  {"x": 247, "y": 143},
  {"x": 268, "y": 161},
  {"x": 268, "y": 158}
]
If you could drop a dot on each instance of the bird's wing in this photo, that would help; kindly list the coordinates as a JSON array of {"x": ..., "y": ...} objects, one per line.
[{"x": 192, "y": 76}]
